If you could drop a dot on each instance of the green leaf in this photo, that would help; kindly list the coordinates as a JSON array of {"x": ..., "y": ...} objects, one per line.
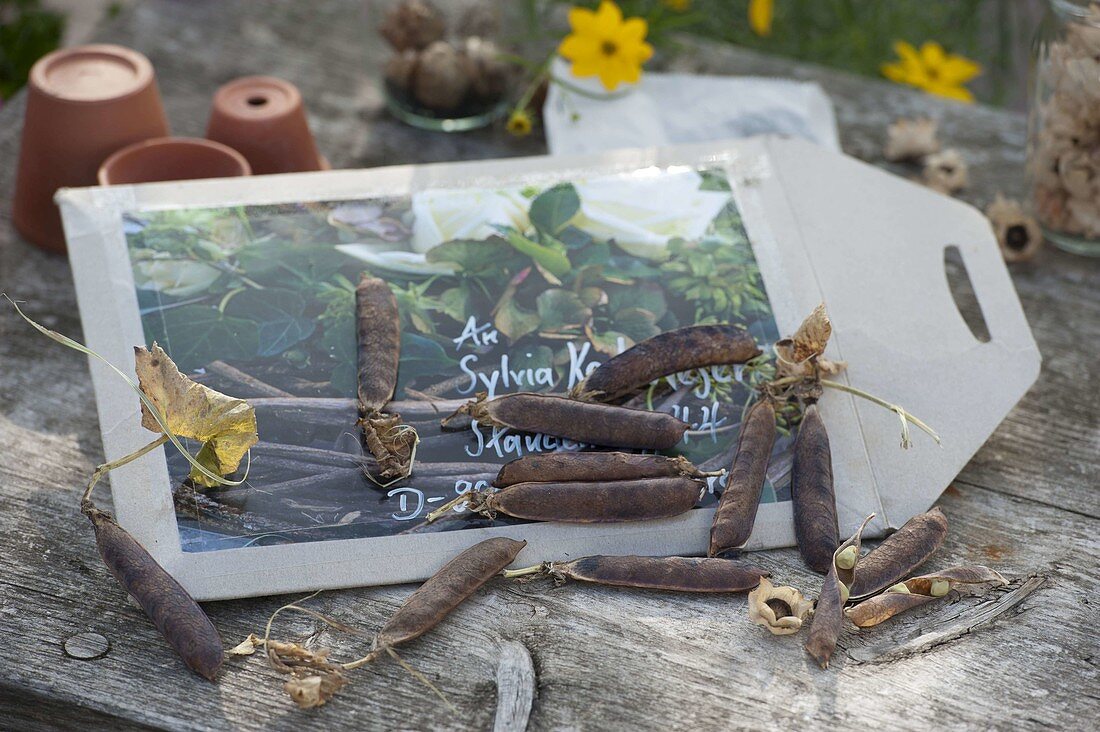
[
  {"x": 283, "y": 262},
  {"x": 645, "y": 295},
  {"x": 561, "y": 309},
  {"x": 594, "y": 254},
  {"x": 421, "y": 356},
  {"x": 277, "y": 315},
  {"x": 608, "y": 342},
  {"x": 515, "y": 322},
  {"x": 574, "y": 238},
  {"x": 627, "y": 267},
  {"x": 195, "y": 335},
  {"x": 593, "y": 296},
  {"x": 552, "y": 259},
  {"x": 554, "y": 208},
  {"x": 492, "y": 256},
  {"x": 339, "y": 341},
  {"x": 636, "y": 323},
  {"x": 454, "y": 302}
]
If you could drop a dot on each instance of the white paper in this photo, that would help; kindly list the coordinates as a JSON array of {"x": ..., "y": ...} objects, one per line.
[{"x": 669, "y": 109}]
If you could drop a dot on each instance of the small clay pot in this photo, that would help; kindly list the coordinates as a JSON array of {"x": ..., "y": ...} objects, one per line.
[
  {"x": 263, "y": 117},
  {"x": 172, "y": 158},
  {"x": 83, "y": 103}
]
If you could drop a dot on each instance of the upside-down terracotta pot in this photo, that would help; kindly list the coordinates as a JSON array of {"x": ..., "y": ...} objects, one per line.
[
  {"x": 172, "y": 158},
  {"x": 83, "y": 103},
  {"x": 264, "y": 119}
]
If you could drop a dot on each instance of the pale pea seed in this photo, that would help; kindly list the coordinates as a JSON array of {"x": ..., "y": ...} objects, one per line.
[
  {"x": 843, "y": 590},
  {"x": 901, "y": 588},
  {"x": 939, "y": 588},
  {"x": 847, "y": 558}
]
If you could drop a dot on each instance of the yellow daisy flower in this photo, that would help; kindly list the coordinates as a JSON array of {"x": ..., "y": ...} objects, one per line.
[
  {"x": 933, "y": 70},
  {"x": 761, "y": 13},
  {"x": 519, "y": 123},
  {"x": 603, "y": 44}
]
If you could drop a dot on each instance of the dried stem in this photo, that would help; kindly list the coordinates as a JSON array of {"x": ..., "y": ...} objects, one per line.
[
  {"x": 105, "y": 468},
  {"x": 903, "y": 415},
  {"x": 542, "y": 568},
  {"x": 460, "y": 498}
]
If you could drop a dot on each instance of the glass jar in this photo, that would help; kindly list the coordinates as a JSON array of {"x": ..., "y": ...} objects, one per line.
[{"x": 1064, "y": 125}]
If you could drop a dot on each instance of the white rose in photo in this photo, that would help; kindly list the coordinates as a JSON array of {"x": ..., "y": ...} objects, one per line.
[
  {"x": 641, "y": 214},
  {"x": 169, "y": 275},
  {"x": 440, "y": 216},
  {"x": 401, "y": 262}
]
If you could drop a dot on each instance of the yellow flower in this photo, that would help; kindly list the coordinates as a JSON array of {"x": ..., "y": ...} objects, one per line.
[
  {"x": 761, "y": 13},
  {"x": 933, "y": 70},
  {"x": 519, "y": 123},
  {"x": 678, "y": 6},
  {"x": 603, "y": 44}
]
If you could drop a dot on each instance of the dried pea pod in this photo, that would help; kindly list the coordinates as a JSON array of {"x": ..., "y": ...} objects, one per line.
[
  {"x": 736, "y": 514},
  {"x": 175, "y": 614},
  {"x": 565, "y": 467},
  {"x": 588, "y": 422},
  {"x": 379, "y": 336},
  {"x": 587, "y": 502},
  {"x": 695, "y": 346},
  {"x": 780, "y": 609},
  {"x": 812, "y": 495},
  {"x": 677, "y": 574},
  {"x": 828, "y": 618},
  {"x": 447, "y": 589},
  {"x": 919, "y": 591},
  {"x": 901, "y": 553}
]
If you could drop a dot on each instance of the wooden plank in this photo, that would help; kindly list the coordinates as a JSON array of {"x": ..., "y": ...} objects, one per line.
[{"x": 642, "y": 659}]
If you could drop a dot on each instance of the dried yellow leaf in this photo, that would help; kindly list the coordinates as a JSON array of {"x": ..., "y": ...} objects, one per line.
[{"x": 225, "y": 426}]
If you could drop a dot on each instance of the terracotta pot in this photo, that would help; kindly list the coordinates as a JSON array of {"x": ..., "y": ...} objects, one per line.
[
  {"x": 83, "y": 103},
  {"x": 263, "y": 117},
  {"x": 172, "y": 158}
]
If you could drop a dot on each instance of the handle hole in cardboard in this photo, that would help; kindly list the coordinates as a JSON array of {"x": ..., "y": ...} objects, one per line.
[{"x": 962, "y": 290}]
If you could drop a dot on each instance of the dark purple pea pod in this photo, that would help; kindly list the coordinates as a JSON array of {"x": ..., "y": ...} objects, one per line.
[
  {"x": 566, "y": 467},
  {"x": 736, "y": 514},
  {"x": 812, "y": 495},
  {"x": 174, "y": 612}
]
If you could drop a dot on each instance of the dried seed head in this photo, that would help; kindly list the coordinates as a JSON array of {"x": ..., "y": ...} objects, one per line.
[
  {"x": 946, "y": 172},
  {"x": 781, "y": 610},
  {"x": 911, "y": 139},
  {"x": 441, "y": 80},
  {"x": 900, "y": 588},
  {"x": 1017, "y": 233},
  {"x": 412, "y": 24},
  {"x": 939, "y": 588},
  {"x": 846, "y": 559}
]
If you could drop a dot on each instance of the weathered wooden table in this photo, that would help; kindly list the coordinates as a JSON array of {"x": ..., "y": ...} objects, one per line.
[{"x": 1022, "y": 658}]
